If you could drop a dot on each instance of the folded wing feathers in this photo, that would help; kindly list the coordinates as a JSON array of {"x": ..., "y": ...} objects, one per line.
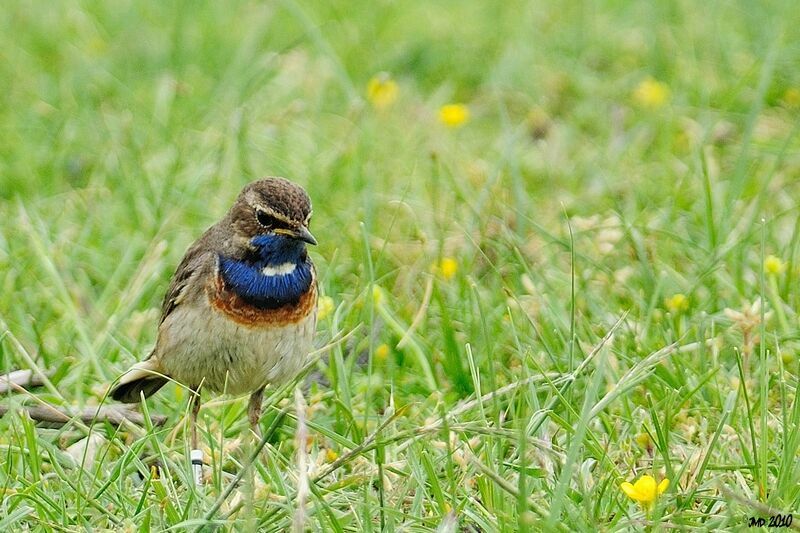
[{"x": 143, "y": 377}]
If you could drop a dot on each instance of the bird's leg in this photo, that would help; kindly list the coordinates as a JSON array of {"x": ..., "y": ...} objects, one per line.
[
  {"x": 193, "y": 417},
  {"x": 196, "y": 454},
  {"x": 254, "y": 410}
]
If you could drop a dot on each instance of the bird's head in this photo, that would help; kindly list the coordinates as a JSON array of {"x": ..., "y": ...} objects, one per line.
[{"x": 271, "y": 218}]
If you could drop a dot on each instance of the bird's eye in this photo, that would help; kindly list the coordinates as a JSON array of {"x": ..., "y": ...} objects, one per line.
[
  {"x": 270, "y": 222},
  {"x": 265, "y": 220}
]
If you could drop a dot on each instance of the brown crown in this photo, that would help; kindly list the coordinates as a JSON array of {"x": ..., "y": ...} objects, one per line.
[{"x": 280, "y": 195}]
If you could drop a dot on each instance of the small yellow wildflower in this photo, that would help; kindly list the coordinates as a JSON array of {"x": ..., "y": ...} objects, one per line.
[
  {"x": 645, "y": 490},
  {"x": 773, "y": 265},
  {"x": 651, "y": 93},
  {"x": 677, "y": 303},
  {"x": 643, "y": 440},
  {"x": 791, "y": 98},
  {"x": 453, "y": 115},
  {"x": 377, "y": 295},
  {"x": 331, "y": 455},
  {"x": 448, "y": 267},
  {"x": 325, "y": 307},
  {"x": 382, "y": 351},
  {"x": 382, "y": 91}
]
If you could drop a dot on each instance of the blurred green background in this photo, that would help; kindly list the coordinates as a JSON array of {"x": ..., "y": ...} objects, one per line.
[{"x": 635, "y": 159}]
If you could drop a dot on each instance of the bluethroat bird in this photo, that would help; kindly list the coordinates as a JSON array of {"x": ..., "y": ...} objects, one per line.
[{"x": 240, "y": 312}]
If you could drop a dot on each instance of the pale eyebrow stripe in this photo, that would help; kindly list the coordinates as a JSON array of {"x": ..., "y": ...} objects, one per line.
[{"x": 274, "y": 214}]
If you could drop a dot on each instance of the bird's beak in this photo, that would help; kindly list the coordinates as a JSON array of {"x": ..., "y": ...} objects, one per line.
[
  {"x": 304, "y": 235},
  {"x": 301, "y": 234}
]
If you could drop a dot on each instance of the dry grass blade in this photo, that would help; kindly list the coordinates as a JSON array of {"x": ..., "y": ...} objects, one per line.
[
  {"x": 640, "y": 371},
  {"x": 363, "y": 446},
  {"x": 502, "y": 391},
  {"x": 759, "y": 507},
  {"x": 511, "y": 489}
]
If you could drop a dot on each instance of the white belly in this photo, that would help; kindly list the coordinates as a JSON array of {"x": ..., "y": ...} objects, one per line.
[{"x": 200, "y": 345}]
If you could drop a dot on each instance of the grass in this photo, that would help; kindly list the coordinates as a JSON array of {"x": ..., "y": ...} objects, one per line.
[{"x": 514, "y": 394}]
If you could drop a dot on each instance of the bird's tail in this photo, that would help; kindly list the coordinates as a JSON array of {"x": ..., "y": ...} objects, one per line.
[{"x": 142, "y": 378}]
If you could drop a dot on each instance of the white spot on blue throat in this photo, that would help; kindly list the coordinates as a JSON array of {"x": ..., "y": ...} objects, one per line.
[{"x": 279, "y": 270}]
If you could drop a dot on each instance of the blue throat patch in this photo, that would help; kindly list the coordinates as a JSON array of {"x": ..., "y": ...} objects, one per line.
[{"x": 247, "y": 279}]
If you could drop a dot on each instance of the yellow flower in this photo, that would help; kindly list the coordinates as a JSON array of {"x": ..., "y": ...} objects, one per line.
[
  {"x": 644, "y": 491},
  {"x": 677, "y": 303},
  {"x": 448, "y": 267},
  {"x": 791, "y": 98},
  {"x": 382, "y": 91},
  {"x": 331, "y": 455},
  {"x": 324, "y": 307},
  {"x": 453, "y": 115},
  {"x": 377, "y": 295},
  {"x": 382, "y": 351},
  {"x": 651, "y": 93},
  {"x": 643, "y": 440},
  {"x": 774, "y": 265}
]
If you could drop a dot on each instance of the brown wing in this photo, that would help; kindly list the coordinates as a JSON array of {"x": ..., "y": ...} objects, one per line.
[
  {"x": 196, "y": 258},
  {"x": 144, "y": 377}
]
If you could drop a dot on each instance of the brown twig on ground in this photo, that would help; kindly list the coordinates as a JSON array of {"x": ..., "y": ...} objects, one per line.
[
  {"x": 26, "y": 379},
  {"x": 21, "y": 380},
  {"x": 113, "y": 414}
]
